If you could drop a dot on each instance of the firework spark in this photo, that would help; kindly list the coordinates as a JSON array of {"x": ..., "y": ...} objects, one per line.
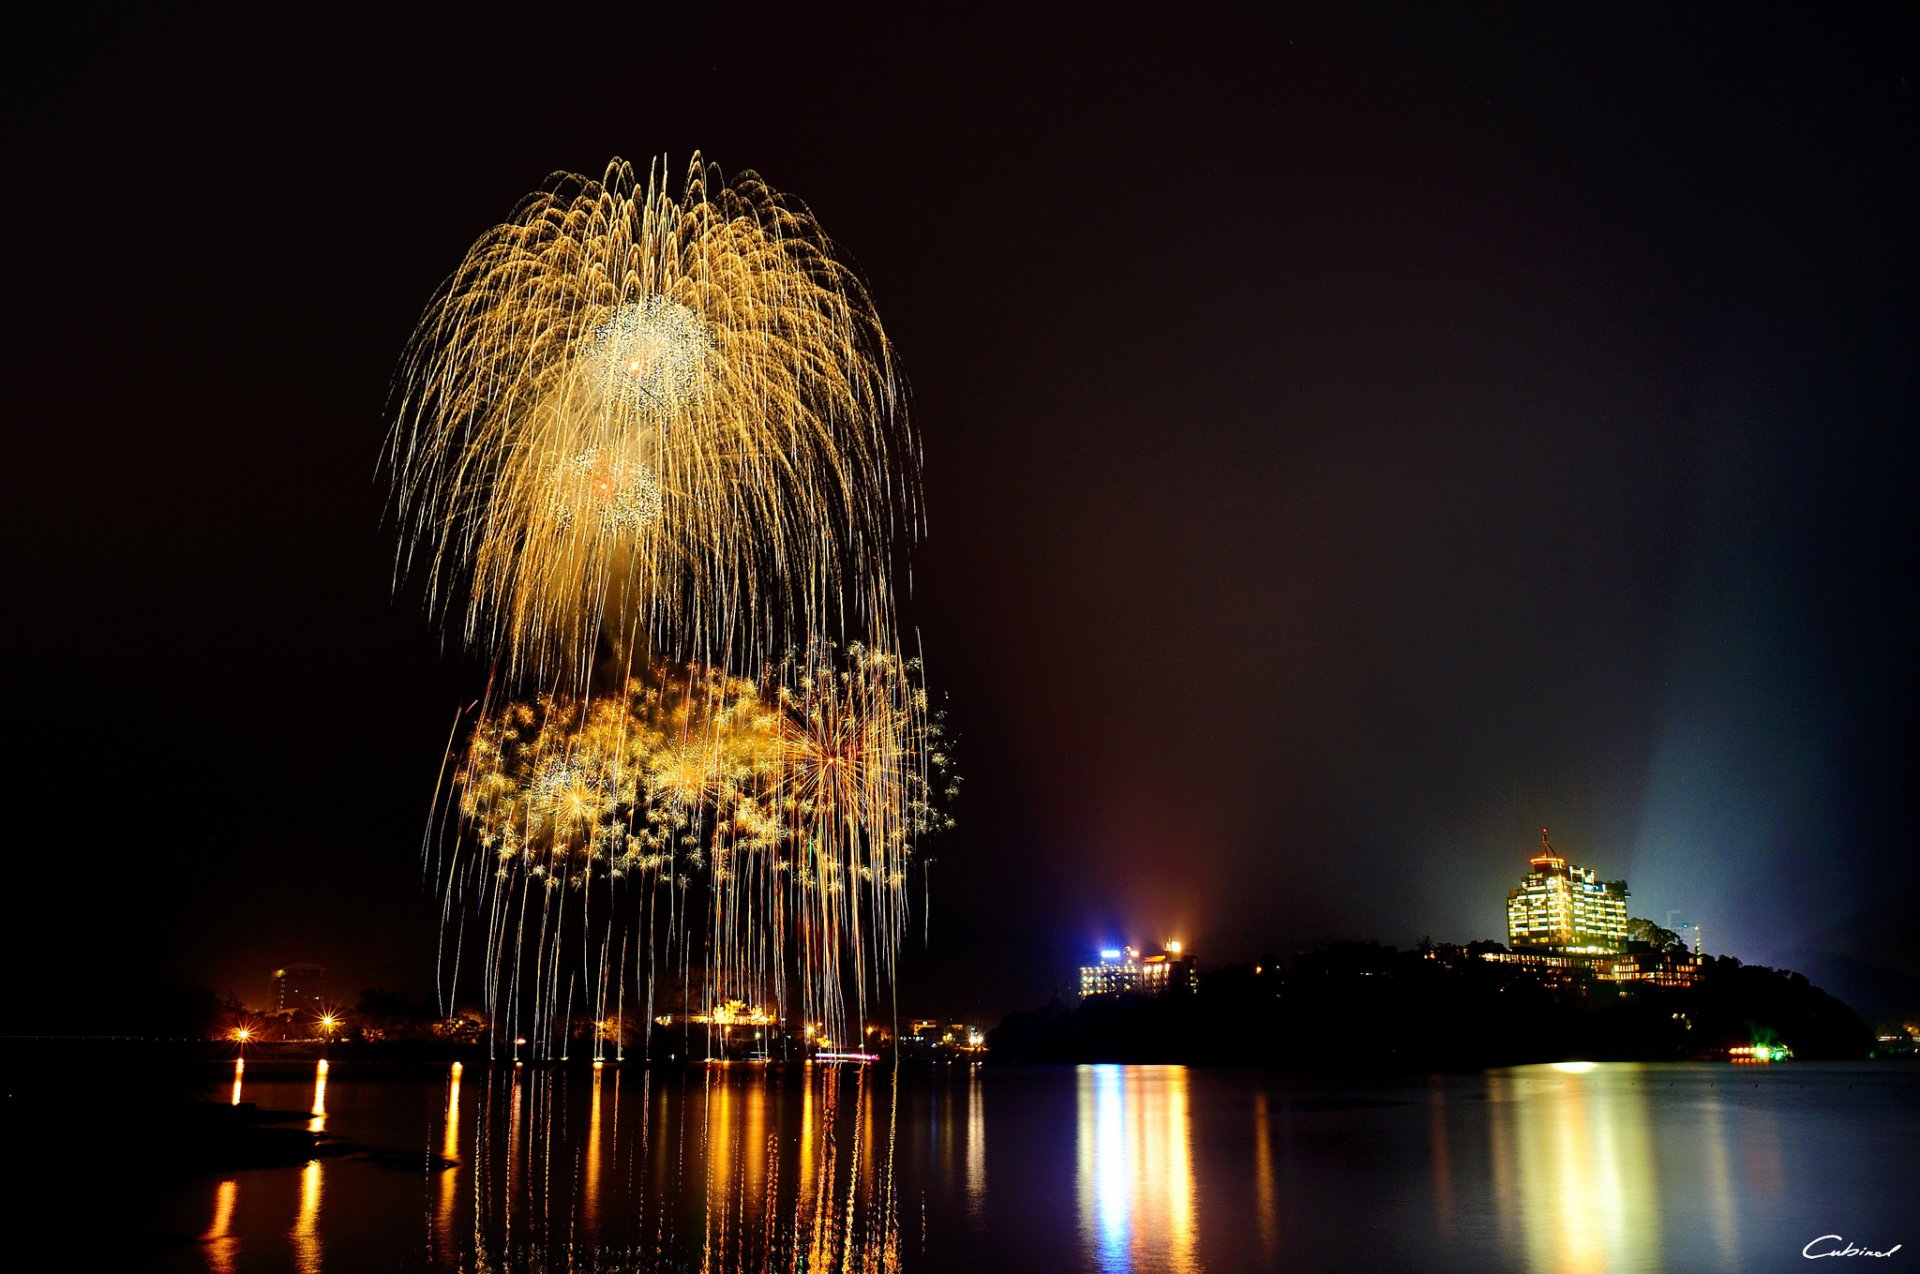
[
  {"x": 777, "y": 820},
  {"x": 660, "y": 420}
]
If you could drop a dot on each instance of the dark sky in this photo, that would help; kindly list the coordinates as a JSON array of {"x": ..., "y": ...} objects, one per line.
[{"x": 1352, "y": 441}]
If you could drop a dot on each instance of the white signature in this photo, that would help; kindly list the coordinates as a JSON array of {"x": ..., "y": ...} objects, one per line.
[{"x": 1848, "y": 1250}]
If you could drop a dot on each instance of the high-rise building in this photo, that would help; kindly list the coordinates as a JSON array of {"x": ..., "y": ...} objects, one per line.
[
  {"x": 1562, "y": 908},
  {"x": 1126, "y": 969},
  {"x": 299, "y": 988}
]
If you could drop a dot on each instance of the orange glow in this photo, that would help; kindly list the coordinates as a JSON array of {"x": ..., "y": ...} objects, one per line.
[
  {"x": 306, "y": 1227},
  {"x": 1263, "y": 1179},
  {"x": 450, "y": 1150},
  {"x": 319, "y": 1121},
  {"x": 219, "y": 1236},
  {"x": 590, "y": 1196}
]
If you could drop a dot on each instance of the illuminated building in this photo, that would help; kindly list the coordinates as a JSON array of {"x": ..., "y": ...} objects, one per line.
[
  {"x": 736, "y": 1030},
  {"x": 1660, "y": 968},
  {"x": 930, "y": 1037},
  {"x": 735, "y": 1013},
  {"x": 1126, "y": 969},
  {"x": 1566, "y": 909},
  {"x": 1563, "y": 922},
  {"x": 299, "y": 988}
]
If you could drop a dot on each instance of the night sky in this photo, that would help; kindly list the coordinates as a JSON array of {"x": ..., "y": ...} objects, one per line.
[{"x": 1351, "y": 443}]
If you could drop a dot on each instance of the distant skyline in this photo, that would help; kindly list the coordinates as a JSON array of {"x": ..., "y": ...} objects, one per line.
[{"x": 1351, "y": 442}]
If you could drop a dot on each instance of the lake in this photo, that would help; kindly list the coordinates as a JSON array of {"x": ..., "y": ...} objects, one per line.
[{"x": 1097, "y": 1168}]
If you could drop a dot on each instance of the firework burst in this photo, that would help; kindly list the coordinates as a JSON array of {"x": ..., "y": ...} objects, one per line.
[
  {"x": 663, "y": 423},
  {"x": 656, "y": 419}
]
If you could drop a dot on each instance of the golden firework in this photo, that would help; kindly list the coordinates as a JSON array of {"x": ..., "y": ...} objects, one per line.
[
  {"x": 663, "y": 420},
  {"x": 776, "y": 811}
]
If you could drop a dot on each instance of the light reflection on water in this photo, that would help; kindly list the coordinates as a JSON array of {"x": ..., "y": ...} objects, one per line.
[
  {"x": 1580, "y": 1180},
  {"x": 307, "y": 1249},
  {"x": 219, "y": 1237},
  {"x": 1105, "y": 1168},
  {"x": 1265, "y": 1191},
  {"x": 587, "y": 1181},
  {"x": 444, "y": 1232},
  {"x": 1135, "y": 1168},
  {"x": 976, "y": 1148},
  {"x": 319, "y": 1121}
]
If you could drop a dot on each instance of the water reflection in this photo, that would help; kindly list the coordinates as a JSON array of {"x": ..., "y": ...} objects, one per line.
[
  {"x": 976, "y": 1148},
  {"x": 319, "y": 1121},
  {"x": 1575, "y": 1176},
  {"x": 239, "y": 1073},
  {"x": 450, "y": 1175},
  {"x": 1102, "y": 1168},
  {"x": 717, "y": 1125},
  {"x": 706, "y": 1179},
  {"x": 590, "y": 1195},
  {"x": 219, "y": 1237},
  {"x": 1135, "y": 1168},
  {"x": 306, "y": 1226},
  {"x": 1265, "y": 1195}
]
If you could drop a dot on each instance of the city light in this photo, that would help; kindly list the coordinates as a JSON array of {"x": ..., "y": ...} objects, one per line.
[
  {"x": 1759, "y": 1053},
  {"x": 1566, "y": 909},
  {"x": 1128, "y": 969},
  {"x": 734, "y": 1013}
]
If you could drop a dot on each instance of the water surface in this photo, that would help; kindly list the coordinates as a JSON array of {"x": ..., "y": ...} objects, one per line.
[{"x": 1100, "y": 1168}]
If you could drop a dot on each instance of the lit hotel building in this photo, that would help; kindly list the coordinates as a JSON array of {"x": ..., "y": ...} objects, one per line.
[
  {"x": 1566, "y": 909},
  {"x": 1126, "y": 970},
  {"x": 1565, "y": 924},
  {"x": 299, "y": 988}
]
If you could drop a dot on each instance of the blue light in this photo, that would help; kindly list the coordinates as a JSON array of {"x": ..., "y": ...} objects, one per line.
[{"x": 1109, "y": 955}]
